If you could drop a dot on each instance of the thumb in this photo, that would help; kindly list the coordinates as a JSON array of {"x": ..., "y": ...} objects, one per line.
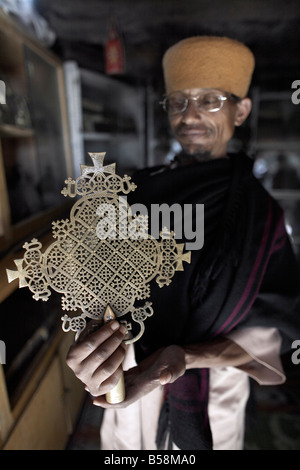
[{"x": 165, "y": 377}]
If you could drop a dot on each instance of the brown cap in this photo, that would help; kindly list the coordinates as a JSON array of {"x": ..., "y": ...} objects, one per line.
[{"x": 209, "y": 62}]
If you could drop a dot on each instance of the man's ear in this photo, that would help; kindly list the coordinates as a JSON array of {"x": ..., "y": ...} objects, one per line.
[{"x": 243, "y": 109}]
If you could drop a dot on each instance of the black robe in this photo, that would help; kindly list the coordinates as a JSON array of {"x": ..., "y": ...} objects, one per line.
[{"x": 245, "y": 275}]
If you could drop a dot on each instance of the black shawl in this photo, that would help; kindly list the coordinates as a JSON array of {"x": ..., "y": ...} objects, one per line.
[{"x": 245, "y": 275}]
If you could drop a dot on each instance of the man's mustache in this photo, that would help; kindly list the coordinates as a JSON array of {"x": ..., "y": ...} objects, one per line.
[{"x": 186, "y": 128}]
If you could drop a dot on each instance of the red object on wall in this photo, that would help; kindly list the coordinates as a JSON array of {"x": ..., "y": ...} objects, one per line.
[{"x": 114, "y": 54}]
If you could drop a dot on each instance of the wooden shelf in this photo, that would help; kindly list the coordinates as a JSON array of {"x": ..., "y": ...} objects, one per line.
[
  {"x": 108, "y": 136},
  {"x": 9, "y": 130},
  {"x": 283, "y": 145},
  {"x": 97, "y": 136},
  {"x": 292, "y": 194}
]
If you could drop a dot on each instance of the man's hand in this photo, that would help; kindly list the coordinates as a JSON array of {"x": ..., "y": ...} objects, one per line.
[
  {"x": 97, "y": 358},
  {"x": 97, "y": 361},
  {"x": 164, "y": 366}
]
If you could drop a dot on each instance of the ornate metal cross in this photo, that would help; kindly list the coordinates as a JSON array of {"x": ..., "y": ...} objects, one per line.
[{"x": 102, "y": 255}]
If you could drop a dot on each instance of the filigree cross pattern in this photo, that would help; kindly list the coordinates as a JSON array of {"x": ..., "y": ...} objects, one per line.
[{"x": 102, "y": 255}]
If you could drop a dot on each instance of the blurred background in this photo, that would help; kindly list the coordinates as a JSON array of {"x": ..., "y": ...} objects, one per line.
[{"x": 85, "y": 76}]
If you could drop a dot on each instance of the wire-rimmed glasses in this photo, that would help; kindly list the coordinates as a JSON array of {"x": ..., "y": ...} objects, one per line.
[{"x": 177, "y": 102}]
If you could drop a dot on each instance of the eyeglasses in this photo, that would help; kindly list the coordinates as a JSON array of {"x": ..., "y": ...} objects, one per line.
[{"x": 177, "y": 102}]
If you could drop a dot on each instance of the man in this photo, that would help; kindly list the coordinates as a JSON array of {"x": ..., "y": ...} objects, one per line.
[{"x": 224, "y": 318}]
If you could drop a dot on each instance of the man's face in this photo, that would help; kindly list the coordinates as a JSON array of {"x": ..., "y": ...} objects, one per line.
[{"x": 204, "y": 133}]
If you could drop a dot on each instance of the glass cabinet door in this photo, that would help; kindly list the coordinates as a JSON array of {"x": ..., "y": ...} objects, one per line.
[
  {"x": 45, "y": 111},
  {"x": 34, "y": 148}
]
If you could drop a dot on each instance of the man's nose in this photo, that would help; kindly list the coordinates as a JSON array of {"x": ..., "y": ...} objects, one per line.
[{"x": 192, "y": 112}]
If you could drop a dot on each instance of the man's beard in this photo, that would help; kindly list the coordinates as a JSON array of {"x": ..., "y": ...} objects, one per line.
[
  {"x": 198, "y": 155},
  {"x": 186, "y": 157}
]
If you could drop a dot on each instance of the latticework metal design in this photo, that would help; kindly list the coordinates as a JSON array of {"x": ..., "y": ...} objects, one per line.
[{"x": 102, "y": 255}]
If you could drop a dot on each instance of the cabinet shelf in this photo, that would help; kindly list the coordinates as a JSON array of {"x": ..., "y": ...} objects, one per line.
[
  {"x": 9, "y": 130},
  {"x": 96, "y": 136},
  {"x": 284, "y": 145},
  {"x": 104, "y": 136},
  {"x": 291, "y": 194}
]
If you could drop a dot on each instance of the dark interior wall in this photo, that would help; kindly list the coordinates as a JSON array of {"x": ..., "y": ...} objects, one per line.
[{"x": 148, "y": 27}]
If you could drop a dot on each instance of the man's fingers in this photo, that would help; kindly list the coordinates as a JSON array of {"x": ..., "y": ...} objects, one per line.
[
  {"x": 173, "y": 364},
  {"x": 84, "y": 358},
  {"x": 93, "y": 340},
  {"x": 100, "y": 353},
  {"x": 111, "y": 382},
  {"x": 108, "y": 367},
  {"x": 165, "y": 377},
  {"x": 85, "y": 347}
]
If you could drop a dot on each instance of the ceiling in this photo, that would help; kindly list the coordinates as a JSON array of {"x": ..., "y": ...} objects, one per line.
[{"x": 270, "y": 28}]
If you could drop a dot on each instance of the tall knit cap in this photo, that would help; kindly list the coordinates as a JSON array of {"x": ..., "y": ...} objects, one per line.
[{"x": 209, "y": 62}]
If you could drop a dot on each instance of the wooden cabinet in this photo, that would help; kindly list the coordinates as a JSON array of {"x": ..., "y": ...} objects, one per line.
[
  {"x": 50, "y": 432},
  {"x": 40, "y": 404},
  {"x": 46, "y": 412}
]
